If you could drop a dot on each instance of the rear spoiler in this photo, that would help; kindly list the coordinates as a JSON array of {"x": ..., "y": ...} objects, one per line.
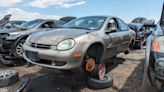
[{"x": 5, "y": 20}]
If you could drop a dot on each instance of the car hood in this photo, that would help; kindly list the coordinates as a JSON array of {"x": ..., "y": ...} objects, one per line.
[
  {"x": 53, "y": 37},
  {"x": 11, "y": 30}
]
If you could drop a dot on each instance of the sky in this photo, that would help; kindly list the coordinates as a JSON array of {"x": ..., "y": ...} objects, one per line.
[{"x": 124, "y": 9}]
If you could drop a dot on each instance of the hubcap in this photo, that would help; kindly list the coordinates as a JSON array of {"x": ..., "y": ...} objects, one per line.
[
  {"x": 90, "y": 65},
  {"x": 102, "y": 70},
  {"x": 19, "y": 49},
  {"x": 5, "y": 74}
]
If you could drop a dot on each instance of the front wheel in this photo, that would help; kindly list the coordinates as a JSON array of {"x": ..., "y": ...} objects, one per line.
[
  {"x": 18, "y": 48},
  {"x": 91, "y": 69}
]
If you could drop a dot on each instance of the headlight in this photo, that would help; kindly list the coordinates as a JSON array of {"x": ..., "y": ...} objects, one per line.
[{"x": 66, "y": 44}]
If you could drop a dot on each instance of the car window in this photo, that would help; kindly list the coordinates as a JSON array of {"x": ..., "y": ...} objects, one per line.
[
  {"x": 112, "y": 24},
  {"x": 47, "y": 25},
  {"x": 123, "y": 25},
  {"x": 31, "y": 24},
  {"x": 59, "y": 23}
]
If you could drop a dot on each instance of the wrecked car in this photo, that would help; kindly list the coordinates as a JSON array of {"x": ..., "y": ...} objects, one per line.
[
  {"x": 153, "y": 77},
  {"x": 83, "y": 43},
  {"x": 139, "y": 20},
  {"x": 11, "y": 41},
  {"x": 143, "y": 30}
]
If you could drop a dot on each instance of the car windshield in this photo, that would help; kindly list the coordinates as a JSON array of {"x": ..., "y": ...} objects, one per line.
[
  {"x": 30, "y": 24},
  {"x": 89, "y": 23}
]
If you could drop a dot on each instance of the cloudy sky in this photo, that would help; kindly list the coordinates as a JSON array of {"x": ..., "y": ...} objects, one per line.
[{"x": 125, "y": 9}]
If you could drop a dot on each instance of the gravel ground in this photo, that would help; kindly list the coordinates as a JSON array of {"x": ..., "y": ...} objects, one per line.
[{"x": 126, "y": 71}]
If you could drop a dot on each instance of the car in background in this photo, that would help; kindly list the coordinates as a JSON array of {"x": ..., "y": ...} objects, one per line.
[
  {"x": 153, "y": 77},
  {"x": 83, "y": 43},
  {"x": 143, "y": 30},
  {"x": 13, "y": 25},
  {"x": 67, "y": 18},
  {"x": 139, "y": 20},
  {"x": 11, "y": 41}
]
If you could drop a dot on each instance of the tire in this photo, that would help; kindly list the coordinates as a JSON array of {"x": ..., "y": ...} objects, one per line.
[
  {"x": 8, "y": 77},
  {"x": 18, "y": 48},
  {"x": 100, "y": 84},
  {"x": 97, "y": 72}
]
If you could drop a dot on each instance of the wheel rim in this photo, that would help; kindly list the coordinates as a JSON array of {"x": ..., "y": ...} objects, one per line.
[
  {"x": 5, "y": 74},
  {"x": 90, "y": 65},
  {"x": 19, "y": 49},
  {"x": 101, "y": 71}
]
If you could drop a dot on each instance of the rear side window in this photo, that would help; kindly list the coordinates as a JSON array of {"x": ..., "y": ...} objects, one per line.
[{"x": 123, "y": 25}]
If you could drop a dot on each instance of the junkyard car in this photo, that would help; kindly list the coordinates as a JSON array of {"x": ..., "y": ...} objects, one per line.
[
  {"x": 11, "y": 41},
  {"x": 143, "y": 30},
  {"x": 153, "y": 78},
  {"x": 82, "y": 43},
  {"x": 139, "y": 20}
]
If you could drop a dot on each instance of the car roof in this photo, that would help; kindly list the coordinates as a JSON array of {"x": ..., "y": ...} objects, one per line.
[{"x": 101, "y": 16}]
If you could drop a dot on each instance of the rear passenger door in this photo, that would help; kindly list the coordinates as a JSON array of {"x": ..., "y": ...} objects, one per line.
[
  {"x": 126, "y": 34},
  {"x": 112, "y": 38}
]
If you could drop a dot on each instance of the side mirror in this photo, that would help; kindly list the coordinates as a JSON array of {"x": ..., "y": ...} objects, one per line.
[{"x": 111, "y": 30}]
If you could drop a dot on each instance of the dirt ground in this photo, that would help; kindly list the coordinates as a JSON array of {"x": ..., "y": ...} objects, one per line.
[{"x": 126, "y": 71}]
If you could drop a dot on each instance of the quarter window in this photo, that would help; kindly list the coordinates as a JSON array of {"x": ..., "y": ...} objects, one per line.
[{"x": 123, "y": 25}]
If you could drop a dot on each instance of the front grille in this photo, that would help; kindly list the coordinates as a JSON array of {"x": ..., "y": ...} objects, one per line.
[
  {"x": 159, "y": 67},
  {"x": 35, "y": 45}
]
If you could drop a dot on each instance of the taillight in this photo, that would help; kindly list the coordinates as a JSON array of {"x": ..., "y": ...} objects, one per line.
[{"x": 158, "y": 44}]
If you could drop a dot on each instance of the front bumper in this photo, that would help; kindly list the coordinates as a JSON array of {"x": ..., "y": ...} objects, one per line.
[
  {"x": 52, "y": 58},
  {"x": 5, "y": 46}
]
